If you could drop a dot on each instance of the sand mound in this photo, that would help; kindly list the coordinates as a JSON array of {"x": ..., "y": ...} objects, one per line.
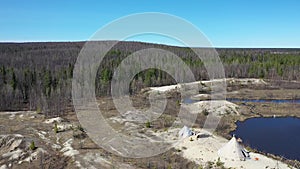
[
  {"x": 54, "y": 120},
  {"x": 68, "y": 150},
  {"x": 11, "y": 147},
  {"x": 209, "y": 83},
  {"x": 9, "y": 143},
  {"x": 246, "y": 81},
  {"x": 205, "y": 149},
  {"x": 218, "y": 107},
  {"x": 4, "y": 167}
]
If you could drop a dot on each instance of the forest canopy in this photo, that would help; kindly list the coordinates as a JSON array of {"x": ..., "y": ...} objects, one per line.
[{"x": 38, "y": 76}]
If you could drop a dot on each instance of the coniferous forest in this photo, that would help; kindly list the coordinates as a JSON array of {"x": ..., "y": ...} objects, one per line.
[{"x": 38, "y": 76}]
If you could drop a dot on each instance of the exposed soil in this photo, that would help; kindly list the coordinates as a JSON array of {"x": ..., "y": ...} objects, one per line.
[{"x": 81, "y": 151}]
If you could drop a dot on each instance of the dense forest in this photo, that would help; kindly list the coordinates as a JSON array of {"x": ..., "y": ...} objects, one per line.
[{"x": 38, "y": 76}]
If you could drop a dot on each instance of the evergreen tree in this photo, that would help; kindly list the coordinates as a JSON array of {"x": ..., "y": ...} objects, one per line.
[{"x": 13, "y": 81}]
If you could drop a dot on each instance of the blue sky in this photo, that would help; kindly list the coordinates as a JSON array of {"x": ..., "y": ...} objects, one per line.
[{"x": 227, "y": 23}]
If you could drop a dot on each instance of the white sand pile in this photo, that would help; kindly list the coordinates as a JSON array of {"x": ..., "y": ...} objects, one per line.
[
  {"x": 14, "y": 155},
  {"x": 97, "y": 158},
  {"x": 10, "y": 142},
  {"x": 165, "y": 88},
  {"x": 56, "y": 146},
  {"x": 13, "y": 114},
  {"x": 12, "y": 148},
  {"x": 134, "y": 116},
  {"x": 246, "y": 81},
  {"x": 236, "y": 81},
  {"x": 54, "y": 120},
  {"x": 33, "y": 155},
  {"x": 11, "y": 117},
  {"x": 93, "y": 160},
  {"x": 42, "y": 134},
  {"x": 61, "y": 124},
  {"x": 214, "y": 82},
  {"x": 64, "y": 127},
  {"x": 205, "y": 149},
  {"x": 218, "y": 107},
  {"x": 4, "y": 166},
  {"x": 68, "y": 150}
]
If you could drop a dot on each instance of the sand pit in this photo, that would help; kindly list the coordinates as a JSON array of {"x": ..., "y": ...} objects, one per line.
[
  {"x": 205, "y": 149},
  {"x": 218, "y": 107}
]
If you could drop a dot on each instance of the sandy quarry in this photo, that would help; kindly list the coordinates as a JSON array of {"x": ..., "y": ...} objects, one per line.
[
  {"x": 205, "y": 149},
  {"x": 201, "y": 150},
  {"x": 19, "y": 129},
  {"x": 32, "y": 126}
]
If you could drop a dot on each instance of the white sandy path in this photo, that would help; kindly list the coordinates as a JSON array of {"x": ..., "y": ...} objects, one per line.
[{"x": 206, "y": 149}]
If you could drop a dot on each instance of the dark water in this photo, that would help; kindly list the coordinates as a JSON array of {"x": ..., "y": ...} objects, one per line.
[
  {"x": 297, "y": 101},
  {"x": 279, "y": 136},
  {"x": 265, "y": 101},
  {"x": 189, "y": 101}
]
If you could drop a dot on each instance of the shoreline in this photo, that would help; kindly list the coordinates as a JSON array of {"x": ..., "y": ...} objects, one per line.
[{"x": 273, "y": 156}]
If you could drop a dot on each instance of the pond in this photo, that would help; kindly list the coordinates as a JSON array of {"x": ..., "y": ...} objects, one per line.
[
  {"x": 295, "y": 101},
  {"x": 279, "y": 136}
]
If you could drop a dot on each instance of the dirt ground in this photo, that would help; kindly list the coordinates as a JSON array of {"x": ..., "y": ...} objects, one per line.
[{"x": 72, "y": 148}]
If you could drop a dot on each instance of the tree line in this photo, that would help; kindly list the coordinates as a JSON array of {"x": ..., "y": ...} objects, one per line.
[{"x": 38, "y": 76}]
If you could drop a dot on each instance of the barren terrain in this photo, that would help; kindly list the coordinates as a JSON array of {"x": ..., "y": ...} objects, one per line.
[{"x": 61, "y": 142}]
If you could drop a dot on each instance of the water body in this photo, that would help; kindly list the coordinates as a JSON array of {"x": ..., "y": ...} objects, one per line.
[
  {"x": 297, "y": 101},
  {"x": 279, "y": 136},
  {"x": 294, "y": 101},
  {"x": 189, "y": 101}
]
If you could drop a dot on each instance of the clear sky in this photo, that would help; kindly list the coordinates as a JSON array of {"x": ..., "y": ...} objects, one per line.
[{"x": 227, "y": 23}]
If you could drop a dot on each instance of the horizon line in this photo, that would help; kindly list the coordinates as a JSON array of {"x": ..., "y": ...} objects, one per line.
[{"x": 157, "y": 43}]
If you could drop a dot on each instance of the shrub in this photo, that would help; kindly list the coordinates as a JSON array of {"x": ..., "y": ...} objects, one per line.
[
  {"x": 32, "y": 146},
  {"x": 55, "y": 128},
  {"x": 219, "y": 163},
  {"x": 210, "y": 164},
  {"x": 205, "y": 112},
  {"x": 38, "y": 109},
  {"x": 77, "y": 134},
  {"x": 79, "y": 127},
  {"x": 148, "y": 124}
]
